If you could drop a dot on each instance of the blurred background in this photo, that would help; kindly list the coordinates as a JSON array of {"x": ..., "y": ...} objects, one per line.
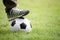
[{"x": 44, "y": 16}]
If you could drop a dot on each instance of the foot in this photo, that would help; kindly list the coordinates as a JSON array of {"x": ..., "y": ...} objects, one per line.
[{"x": 14, "y": 13}]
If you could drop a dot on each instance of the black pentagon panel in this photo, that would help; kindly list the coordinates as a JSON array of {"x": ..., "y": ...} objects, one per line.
[
  {"x": 22, "y": 26},
  {"x": 31, "y": 25},
  {"x": 13, "y": 23}
]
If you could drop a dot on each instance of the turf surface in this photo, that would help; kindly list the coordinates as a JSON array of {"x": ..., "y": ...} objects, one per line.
[{"x": 44, "y": 16}]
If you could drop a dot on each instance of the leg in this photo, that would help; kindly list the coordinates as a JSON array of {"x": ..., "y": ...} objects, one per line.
[
  {"x": 10, "y": 3},
  {"x": 12, "y": 10}
]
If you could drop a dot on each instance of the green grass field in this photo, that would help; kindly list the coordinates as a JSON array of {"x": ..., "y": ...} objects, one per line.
[{"x": 44, "y": 16}]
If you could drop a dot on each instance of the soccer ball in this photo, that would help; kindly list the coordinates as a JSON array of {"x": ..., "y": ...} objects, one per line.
[{"x": 21, "y": 24}]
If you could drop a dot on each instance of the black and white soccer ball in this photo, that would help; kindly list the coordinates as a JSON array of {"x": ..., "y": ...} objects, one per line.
[{"x": 21, "y": 24}]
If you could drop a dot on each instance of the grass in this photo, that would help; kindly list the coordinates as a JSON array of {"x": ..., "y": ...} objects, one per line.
[{"x": 44, "y": 16}]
